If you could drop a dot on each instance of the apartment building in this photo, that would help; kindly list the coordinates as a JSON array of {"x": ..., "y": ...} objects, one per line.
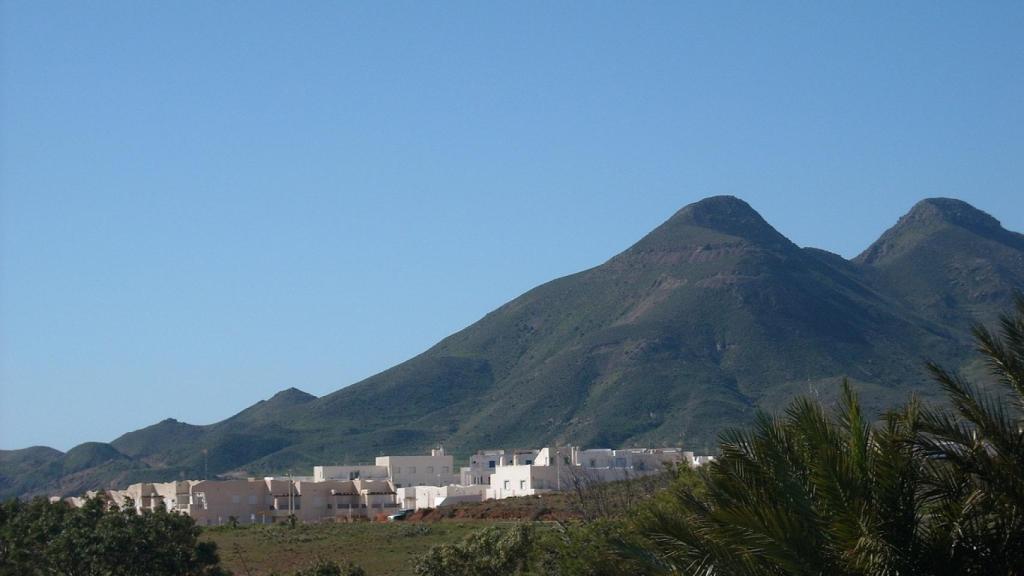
[
  {"x": 551, "y": 469},
  {"x": 344, "y": 499},
  {"x": 437, "y": 469},
  {"x": 484, "y": 462}
]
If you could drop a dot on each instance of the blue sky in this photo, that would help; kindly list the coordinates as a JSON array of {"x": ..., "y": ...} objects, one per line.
[{"x": 202, "y": 203}]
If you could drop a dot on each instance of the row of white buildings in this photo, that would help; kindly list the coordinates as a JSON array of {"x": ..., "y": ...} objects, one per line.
[{"x": 395, "y": 483}]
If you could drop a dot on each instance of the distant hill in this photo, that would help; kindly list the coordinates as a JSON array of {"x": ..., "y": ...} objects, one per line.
[{"x": 711, "y": 316}]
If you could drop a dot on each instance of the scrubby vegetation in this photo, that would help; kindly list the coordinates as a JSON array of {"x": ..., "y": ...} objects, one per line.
[{"x": 373, "y": 547}]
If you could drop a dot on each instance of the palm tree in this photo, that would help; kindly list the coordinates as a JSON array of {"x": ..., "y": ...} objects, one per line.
[
  {"x": 926, "y": 491},
  {"x": 975, "y": 457},
  {"x": 804, "y": 493}
]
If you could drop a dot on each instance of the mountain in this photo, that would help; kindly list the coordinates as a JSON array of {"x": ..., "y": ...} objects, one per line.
[
  {"x": 948, "y": 261},
  {"x": 44, "y": 470},
  {"x": 711, "y": 316}
]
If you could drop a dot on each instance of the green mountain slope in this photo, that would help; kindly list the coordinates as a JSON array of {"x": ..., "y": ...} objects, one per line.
[
  {"x": 949, "y": 261},
  {"x": 711, "y": 316}
]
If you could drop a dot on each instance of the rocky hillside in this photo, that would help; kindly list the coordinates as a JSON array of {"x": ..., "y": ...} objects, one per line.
[{"x": 711, "y": 316}]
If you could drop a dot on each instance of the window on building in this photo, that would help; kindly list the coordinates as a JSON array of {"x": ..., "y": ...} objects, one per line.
[
  {"x": 252, "y": 499},
  {"x": 236, "y": 499},
  {"x": 430, "y": 469},
  {"x": 528, "y": 462},
  {"x": 522, "y": 484},
  {"x": 490, "y": 464},
  {"x": 444, "y": 470},
  {"x": 506, "y": 484}
]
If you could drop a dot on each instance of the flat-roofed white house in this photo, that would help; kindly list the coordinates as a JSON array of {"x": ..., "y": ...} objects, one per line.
[
  {"x": 437, "y": 469},
  {"x": 419, "y": 497},
  {"x": 550, "y": 470},
  {"x": 480, "y": 467},
  {"x": 484, "y": 462}
]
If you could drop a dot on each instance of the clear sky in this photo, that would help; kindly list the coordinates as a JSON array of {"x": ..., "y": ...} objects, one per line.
[{"x": 206, "y": 202}]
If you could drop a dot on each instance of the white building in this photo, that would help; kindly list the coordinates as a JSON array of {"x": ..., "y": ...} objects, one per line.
[
  {"x": 634, "y": 459},
  {"x": 417, "y": 497},
  {"x": 563, "y": 468},
  {"x": 263, "y": 500},
  {"x": 484, "y": 462},
  {"x": 437, "y": 469},
  {"x": 393, "y": 482},
  {"x": 551, "y": 469},
  {"x": 403, "y": 471}
]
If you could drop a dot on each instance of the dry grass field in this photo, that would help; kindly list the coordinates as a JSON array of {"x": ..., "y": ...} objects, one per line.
[
  {"x": 380, "y": 548},
  {"x": 391, "y": 548}
]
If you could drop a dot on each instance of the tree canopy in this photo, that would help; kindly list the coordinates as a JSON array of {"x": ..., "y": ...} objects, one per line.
[{"x": 100, "y": 539}]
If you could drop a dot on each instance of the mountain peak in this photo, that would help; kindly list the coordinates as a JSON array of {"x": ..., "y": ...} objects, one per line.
[
  {"x": 725, "y": 215},
  {"x": 952, "y": 211},
  {"x": 927, "y": 218},
  {"x": 716, "y": 210},
  {"x": 291, "y": 396}
]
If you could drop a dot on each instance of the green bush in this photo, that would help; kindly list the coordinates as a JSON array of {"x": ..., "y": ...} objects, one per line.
[
  {"x": 493, "y": 550},
  {"x": 40, "y": 537},
  {"x": 595, "y": 548}
]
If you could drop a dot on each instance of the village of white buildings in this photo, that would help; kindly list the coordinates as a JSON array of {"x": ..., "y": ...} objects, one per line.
[{"x": 395, "y": 484}]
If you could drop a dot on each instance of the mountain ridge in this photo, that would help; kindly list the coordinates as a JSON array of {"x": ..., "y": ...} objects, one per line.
[{"x": 711, "y": 316}]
